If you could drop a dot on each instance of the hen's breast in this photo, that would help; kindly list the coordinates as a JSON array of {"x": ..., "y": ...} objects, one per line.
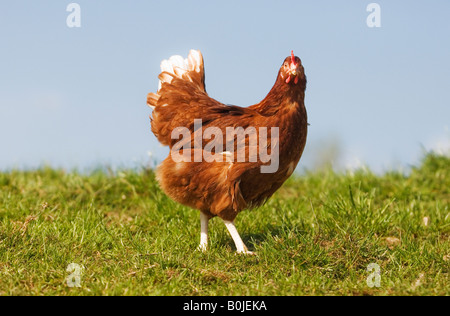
[{"x": 256, "y": 186}]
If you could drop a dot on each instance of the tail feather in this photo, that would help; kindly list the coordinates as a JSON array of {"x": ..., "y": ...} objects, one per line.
[
  {"x": 152, "y": 100},
  {"x": 188, "y": 69},
  {"x": 181, "y": 96}
]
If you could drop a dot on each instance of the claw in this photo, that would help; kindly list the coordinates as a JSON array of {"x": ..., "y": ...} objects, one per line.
[
  {"x": 202, "y": 248},
  {"x": 246, "y": 253}
]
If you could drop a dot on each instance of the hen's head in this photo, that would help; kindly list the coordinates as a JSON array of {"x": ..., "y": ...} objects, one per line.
[{"x": 292, "y": 71}]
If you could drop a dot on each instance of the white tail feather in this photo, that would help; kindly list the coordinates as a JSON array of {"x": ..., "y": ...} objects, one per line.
[
  {"x": 196, "y": 60},
  {"x": 177, "y": 66}
]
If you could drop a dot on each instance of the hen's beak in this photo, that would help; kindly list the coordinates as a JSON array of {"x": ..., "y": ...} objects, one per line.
[{"x": 293, "y": 72}]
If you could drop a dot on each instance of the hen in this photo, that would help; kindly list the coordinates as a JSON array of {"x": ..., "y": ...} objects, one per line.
[{"x": 225, "y": 158}]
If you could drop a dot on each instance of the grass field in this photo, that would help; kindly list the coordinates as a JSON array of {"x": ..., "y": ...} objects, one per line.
[{"x": 316, "y": 236}]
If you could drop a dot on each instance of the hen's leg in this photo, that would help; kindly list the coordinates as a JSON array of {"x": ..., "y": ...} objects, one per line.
[
  {"x": 240, "y": 246},
  {"x": 204, "y": 219}
]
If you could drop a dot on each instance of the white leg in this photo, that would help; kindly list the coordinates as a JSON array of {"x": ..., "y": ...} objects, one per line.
[
  {"x": 240, "y": 246},
  {"x": 204, "y": 219}
]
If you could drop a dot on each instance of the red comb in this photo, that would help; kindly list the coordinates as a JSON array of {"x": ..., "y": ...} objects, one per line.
[{"x": 292, "y": 56}]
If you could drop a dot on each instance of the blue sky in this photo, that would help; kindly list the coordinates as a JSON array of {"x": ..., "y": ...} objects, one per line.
[{"x": 76, "y": 97}]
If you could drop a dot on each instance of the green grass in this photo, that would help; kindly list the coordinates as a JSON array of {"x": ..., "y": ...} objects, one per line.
[{"x": 316, "y": 236}]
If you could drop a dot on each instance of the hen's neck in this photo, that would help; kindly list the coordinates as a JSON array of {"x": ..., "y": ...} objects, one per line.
[{"x": 281, "y": 99}]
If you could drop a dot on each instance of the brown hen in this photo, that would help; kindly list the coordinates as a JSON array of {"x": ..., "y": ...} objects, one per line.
[{"x": 223, "y": 158}]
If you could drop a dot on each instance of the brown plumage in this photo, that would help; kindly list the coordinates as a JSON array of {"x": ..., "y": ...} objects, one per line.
[{"x": 228, "y": 184}]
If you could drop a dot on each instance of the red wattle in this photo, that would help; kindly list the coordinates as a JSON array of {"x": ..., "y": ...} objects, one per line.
[
  {"x": 288, "y": 79},
  {"x": 296, "y": 80}
]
